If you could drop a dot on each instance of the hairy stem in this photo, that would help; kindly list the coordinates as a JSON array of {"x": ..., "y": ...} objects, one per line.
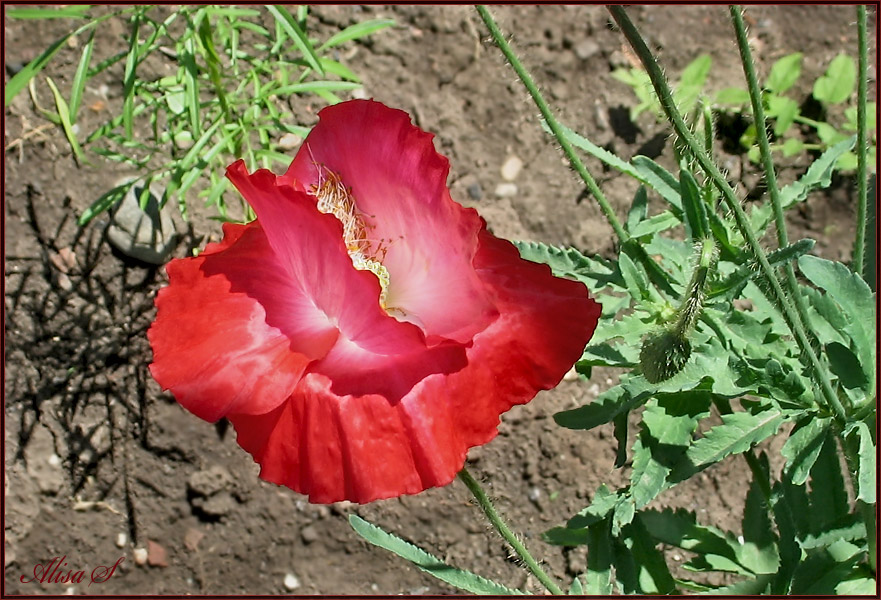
[
  {"x": 860, "y": 241},
  {"x": 489, "y": 510},
  {"x": 554, "y": 126},
  {"x": 755, "y": 94},
  {"x": 665, "y": 97}
]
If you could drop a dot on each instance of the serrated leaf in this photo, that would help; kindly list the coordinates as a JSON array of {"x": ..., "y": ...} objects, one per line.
[
  {"x": 639, "y": 209},
  {"x": 565, "y": 536},
  {"x": 652, "y": 576},
  {"x": 867, "y": 465},
  {"x": 655, "y": 224},
  {"x": 459, "y": 578},
  {"x": 604, "y": 502},
  {"x": 818, "y": 175},
  {"x": 758, "y": 551},
  {"x": 857, "y": 302},
  {"x": 850, "y": 528},
  {"x": 750, "y": 587},
  {"x": 599, "y": 559},
  {"x": 828, "y": 495},
  {"x": 784, "y": 73},
  {"x": 803, "y": 447},
  {"x": 634, "y": 278},
  {"x": 837, "y": 84},
  {"x": 648, "y": 477},
  {"x": 744, "y": 273},
  {"x": 576, "y": 589},
  {"x": 599, "y": 412},
  {"x": 660, "y": 179},
  {"x": 737, "y": 433}
]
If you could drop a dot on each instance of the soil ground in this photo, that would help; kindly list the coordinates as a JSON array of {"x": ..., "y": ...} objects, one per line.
[{"x": 99, "y": 462}]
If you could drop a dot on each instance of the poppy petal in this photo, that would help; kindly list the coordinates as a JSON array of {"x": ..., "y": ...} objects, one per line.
[
  {"x": 365, "y": 448},
  {"x": 399, "y": 184},
  {"x": 212, "y": 345}
]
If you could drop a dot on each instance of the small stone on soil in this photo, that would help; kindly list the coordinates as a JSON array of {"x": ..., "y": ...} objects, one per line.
[
  {"x": 511, "y": 168},
  {"x": 156, "y": 554},
  {"x": 121, "y": 540},
  {"x": 210, "y": 481},
  {"x": 192, "y": 538},
  {"x": 289, "y": 141},
  {"x": 309, "y": 534},
  {"x": 291, "y": 582},
  {"x": 506, "y": 190},
  {"x": 586, "y": 48},
  {"x": 140, "y": 556},
  {"x": 475, "y": 192},
  {"x": 146, "y": 235}
]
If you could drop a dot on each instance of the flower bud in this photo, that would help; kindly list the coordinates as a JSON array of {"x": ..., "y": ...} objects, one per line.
[{"x": 663, "y": 354}]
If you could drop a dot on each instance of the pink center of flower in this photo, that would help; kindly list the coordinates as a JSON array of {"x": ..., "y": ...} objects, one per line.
[{"x": 336, "y": 199}]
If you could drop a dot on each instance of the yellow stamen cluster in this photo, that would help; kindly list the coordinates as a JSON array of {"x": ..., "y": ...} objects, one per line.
[{"x": 336, "y": 199}]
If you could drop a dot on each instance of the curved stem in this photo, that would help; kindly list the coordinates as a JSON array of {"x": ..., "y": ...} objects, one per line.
[
  {"x": 554, "y": 126},
  {"x": 789, "y": 314},
  {"x": 489, "y": 510}
]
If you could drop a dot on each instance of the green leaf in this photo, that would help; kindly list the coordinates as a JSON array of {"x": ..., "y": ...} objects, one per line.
[
  {"x": 651, "y": 574},
  {"x": 758, "y": 551},
  {"x": 459, "y": 578},
  {"x": 660, "y": 179},
  {"x": 749, "y": 587},
  {"x": 828, "y": 495},
  {"x": 857, "y": 303},
  {"x": 648, "y": 477},
  {"x": 604, "y": 503},
  {"x": 784, "y": 110},
  {"x": 64, "y": 12},
  {"x": 20, "y": 80},
  {"x": 566, "y": 536},
  {"x": 737, "y": 433},
  {"x": 599, "y": 412},
  {"x": 792, "y": 146},
  {"x": 803, "y": 447},
  {"x": 696, "y": 224},
  {"x": 576, "y": 589},
  {"x": 734, "y": 281},
  {"x": 79, "y": 78},
  {"x": 838, "y": 83},
  {"x": 356, "y": 31},
  {"x": 867, "y": 465},
  {"x": 634, "y": 278},
  {"x": 639, "y": 209},
  {"x": 289, "y": 25},
  {"x": 784, "y": 73},
  {"x": 599, "y": 559},
  {"x": 734, "y": 96},
  {"x": 108, "y": 199},
  {"x": 64, "y": 116}
]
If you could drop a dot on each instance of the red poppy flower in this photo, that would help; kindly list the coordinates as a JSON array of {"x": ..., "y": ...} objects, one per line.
[{"x": 365, "y": 330}]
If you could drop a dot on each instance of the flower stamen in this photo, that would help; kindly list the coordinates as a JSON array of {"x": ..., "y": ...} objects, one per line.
[{"x": 336, "y": 199}]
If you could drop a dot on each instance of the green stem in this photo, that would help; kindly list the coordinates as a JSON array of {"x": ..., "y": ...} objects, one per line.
[
  {"x": 489, "y": 510},
  {"x": 860, "y": 242},
  {"x": 788, "y": 312},
  {"x": 850, "y": 445},
  {"x": 755, "y": 94},
  {"x": 554, "y": 126}
]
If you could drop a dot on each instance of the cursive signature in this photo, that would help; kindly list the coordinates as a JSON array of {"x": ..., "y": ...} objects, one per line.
[{"x": 54, "y": 572}]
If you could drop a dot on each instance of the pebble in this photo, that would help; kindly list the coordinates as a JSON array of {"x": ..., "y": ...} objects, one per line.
[
  {"x": 360, "y": 94},
  {"x": 506, "y": 190},
  {"x": 475, "y": 192},
  {"x": 146, "y": 235},
  {"x": 192, "y": 538},
  {"x": 156, "y": 554},
  {"x": 140, "y": 556},
  {"x": 309, "y": 534},
  {"x": 291, "y": 582},
  {"x": 511, "y": 168},
  {"x": 586, "y": 48},
  {"x": 289, "y": 141},
  {"x": 121, "y": 539},
  {"x": 210, "y": 481}
]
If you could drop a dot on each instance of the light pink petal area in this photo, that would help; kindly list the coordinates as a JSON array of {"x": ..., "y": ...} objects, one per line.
[
  {"x": 365, "y": 448},
  {"x": 212, "y": 344},
  {"x": 375, "y": 352},
  {"x": 399, "y": 183}
]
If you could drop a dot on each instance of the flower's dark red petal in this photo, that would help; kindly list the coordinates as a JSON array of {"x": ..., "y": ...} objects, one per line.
[
  {"x": 365, "y": 448},
  {"x": 375, "y": 352},
  {"x": 212, "y": 345},
  {"x": 399, "y": 183}
]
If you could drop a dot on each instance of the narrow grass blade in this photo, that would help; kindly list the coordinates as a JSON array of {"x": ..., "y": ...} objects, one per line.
[
  {"x": 20, "y": 80},
  {"x": 459, "y": 578},
  {"x": 65, "y": 12},
  {"x": 292, "y": 29},
  {"x": 128, "y": 79},
  {"x": 64, "y": 115},
  {"x": 314, "y": 87},
  {"x": 358, "y": 30},
  {"x": 106, "y": 200},
  {"x": 79, "y": 78}
]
